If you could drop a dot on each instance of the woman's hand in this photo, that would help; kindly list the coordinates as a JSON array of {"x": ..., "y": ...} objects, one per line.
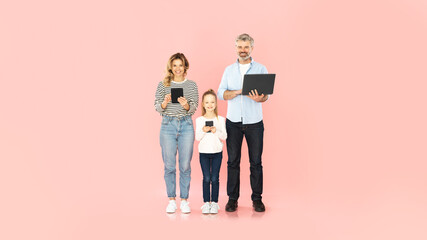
[
  {"x": 167, "y": 99},
  {"x": 213, "y": 129},
  {"x": 184, "y": 103}
]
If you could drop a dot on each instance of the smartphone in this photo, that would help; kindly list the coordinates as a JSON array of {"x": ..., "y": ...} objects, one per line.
[{"x": 209, "y": 124}]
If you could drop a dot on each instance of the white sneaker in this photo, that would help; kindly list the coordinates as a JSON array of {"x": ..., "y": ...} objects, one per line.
[
  {"x": 185, "y": 207},
  {"x": 214, "y": 208},
  {"x": 171, "y": 208},
  {"x": 206, "y": 208}
]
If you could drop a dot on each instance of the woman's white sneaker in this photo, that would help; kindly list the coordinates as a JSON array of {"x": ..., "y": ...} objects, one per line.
[
  {"x": 214, "y": 208},
  {"x": 206, "y": 208},
  {"x": 171, "y": 208},
  {"x": 185, "y": 207}
]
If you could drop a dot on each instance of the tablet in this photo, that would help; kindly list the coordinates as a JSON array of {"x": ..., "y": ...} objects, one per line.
[
  {"x": 263, "y": 83},
  {"x": 176, "y": 93}
]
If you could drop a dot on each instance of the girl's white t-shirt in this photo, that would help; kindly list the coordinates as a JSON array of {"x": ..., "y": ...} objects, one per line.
[{"x": 210, "y": 142}]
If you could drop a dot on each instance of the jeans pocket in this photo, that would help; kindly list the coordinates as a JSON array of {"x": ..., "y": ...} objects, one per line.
[
  {"x": 259, "y": 125},
  {"x": 165, "y": 121},
  {"x": 189, "y": 120}
]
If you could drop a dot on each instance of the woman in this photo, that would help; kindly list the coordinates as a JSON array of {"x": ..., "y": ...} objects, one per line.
[{"x": 177, "y": 132}]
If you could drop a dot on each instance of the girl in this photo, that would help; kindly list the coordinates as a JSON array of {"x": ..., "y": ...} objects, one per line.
[
  {"x": 210, "y": 149},
  {"x": 177, "y": 132}
]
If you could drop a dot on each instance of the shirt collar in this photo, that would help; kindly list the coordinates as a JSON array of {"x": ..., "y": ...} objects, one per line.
[
  {"x": 185, "y": 79},
  {"x": 252, "y": 61}
]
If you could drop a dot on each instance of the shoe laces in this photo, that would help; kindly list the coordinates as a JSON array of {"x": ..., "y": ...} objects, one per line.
[
  {"x": 206, "y": 205},
  {"x": 215, "y": 205}
]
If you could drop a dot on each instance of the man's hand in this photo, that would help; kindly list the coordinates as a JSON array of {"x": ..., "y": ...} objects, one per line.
[
  {"x": 253, "y": 94},
  {"x": 230, "y": 94}
]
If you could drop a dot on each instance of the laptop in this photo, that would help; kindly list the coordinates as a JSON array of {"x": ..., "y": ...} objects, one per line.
[{"x": 263, "y": 83}]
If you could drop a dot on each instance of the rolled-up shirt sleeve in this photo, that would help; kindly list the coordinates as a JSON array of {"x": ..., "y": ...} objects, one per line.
[
  {"x": 264, "y": 70},
  {"x": 223, "y": 86}
]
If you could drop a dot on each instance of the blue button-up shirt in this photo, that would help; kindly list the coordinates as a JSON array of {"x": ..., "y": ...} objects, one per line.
[{"x": 241, "y": 108}]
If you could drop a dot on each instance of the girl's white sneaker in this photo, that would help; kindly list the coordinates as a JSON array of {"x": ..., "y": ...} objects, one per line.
[
  {"x": 214, "y": 208},
  {"x": 206, "y": 208}
]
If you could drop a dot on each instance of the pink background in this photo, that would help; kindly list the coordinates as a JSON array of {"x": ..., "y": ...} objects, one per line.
[{"x": 345, "y": 132}]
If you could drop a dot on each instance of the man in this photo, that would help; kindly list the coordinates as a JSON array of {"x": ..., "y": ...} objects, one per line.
[{"x": 244, "y": 118}]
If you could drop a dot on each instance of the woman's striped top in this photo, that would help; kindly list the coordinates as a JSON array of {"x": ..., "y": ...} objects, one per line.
[{"x": 191, "y": 93}]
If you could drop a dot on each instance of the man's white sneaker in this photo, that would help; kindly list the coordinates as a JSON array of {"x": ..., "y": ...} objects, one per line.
[
  {"x": 206, "y": 208},
  {"x": 214, "y": 208},
  {"x": 185, "y": 207},
  {"x": 171, "y": 208}
]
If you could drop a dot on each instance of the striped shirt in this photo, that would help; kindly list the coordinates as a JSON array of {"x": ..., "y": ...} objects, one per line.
[{"x": 175, "y": 109}]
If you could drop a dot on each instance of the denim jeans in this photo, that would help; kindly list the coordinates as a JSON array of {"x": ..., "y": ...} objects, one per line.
[
  {"x": 211, "y": 164},
  {"x": 254, "y": 134},
  {"x": 177, "y": 134}
]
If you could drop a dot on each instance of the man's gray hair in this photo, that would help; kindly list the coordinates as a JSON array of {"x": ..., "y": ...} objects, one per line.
[{"x": 245, "y": 37}]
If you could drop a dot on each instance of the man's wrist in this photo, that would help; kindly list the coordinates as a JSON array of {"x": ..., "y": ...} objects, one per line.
[
  {"x": 237, "y": 93},
  {"x": 263, "y": 99}
]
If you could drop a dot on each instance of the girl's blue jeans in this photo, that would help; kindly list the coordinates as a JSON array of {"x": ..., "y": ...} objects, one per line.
[{"x": 211, "y": 164}]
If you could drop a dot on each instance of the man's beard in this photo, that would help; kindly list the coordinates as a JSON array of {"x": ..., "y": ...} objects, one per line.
[{"x": 248, "y": 55}]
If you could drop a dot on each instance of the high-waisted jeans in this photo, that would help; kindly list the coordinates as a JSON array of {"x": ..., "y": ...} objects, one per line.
[{"x": 177, "y": 134}]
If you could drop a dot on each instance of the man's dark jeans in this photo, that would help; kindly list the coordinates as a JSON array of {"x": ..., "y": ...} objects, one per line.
[{"x": 254, "y": 134}]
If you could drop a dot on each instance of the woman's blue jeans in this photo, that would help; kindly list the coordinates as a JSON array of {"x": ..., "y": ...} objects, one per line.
[{"x": 177, "y": 135}]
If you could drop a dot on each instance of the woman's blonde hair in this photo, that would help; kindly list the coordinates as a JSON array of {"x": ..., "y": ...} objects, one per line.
[
  {"x": 169, "y": 74},
  {"x": 209, "y": 92}
]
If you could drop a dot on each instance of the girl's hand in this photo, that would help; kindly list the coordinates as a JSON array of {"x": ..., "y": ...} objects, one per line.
[
  {"x": 166, "y": 100},
  {"x": 213, "y": 129},
  {"x": 206, "y": 129},
  {"x": 184, "y": 103}
]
